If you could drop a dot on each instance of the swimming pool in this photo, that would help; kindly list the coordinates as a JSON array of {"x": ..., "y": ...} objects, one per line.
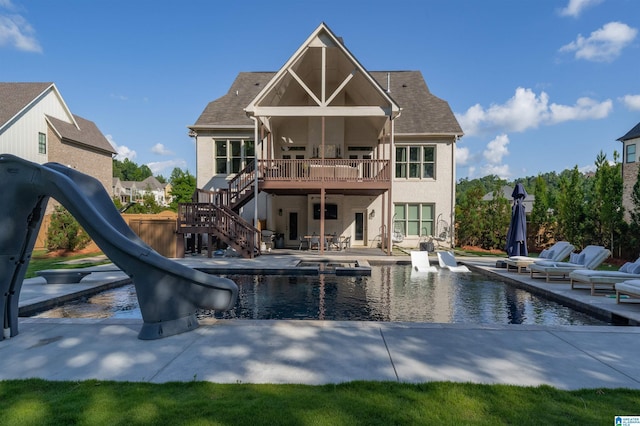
[{"x": 392, "y": 293}]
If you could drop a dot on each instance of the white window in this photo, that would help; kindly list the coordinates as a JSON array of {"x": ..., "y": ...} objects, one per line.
[
  {"x": 233, "y": 155},
  {"x": 415, "y": 162},
  {"x": 414, "y": 219}
]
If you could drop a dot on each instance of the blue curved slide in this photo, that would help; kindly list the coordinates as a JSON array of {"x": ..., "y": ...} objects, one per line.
[{"x": 169, "y": 293}]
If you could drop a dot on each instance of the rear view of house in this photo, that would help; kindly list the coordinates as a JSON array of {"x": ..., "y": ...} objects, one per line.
[{"x": 323, "y": 146}]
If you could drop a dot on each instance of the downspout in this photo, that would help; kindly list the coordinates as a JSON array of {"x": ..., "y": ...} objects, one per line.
[{"x": 453, "y": 192}]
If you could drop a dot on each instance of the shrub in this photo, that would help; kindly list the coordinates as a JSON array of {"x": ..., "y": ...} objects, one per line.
[{"x": 65, "y": 233}]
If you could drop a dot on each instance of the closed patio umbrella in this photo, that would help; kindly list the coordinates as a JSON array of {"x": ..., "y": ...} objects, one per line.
[{"x": 517, "y": 233}]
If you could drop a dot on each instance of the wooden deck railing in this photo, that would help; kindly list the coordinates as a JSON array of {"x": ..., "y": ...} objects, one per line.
[{"x": 334, "y": 170}]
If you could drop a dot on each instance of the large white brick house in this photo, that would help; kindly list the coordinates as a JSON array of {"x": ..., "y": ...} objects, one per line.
[{"x": 338, "y": 148}]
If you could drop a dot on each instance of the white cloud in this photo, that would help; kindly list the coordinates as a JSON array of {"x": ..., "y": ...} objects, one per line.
[
  {"x": 604, "y": 44},
  {"x": 526, "y": 110},
  {"x": 462, "y": 156},
  {"x": 166, "y": 167},
  {"x": 575, "y": 7},
  {"x": 161, "y": 150},
  {"x": 584, "y": 109},
  {"x": 632, "y": 102},
  {"x": 16, "y": 32},
  {"x": 122, "y": 151},
  {"x": 496, "y": 150},
  {"x": 501, "y": 170}
]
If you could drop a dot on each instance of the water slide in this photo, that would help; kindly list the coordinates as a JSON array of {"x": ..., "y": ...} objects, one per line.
[{"x": 168, "y": 293}]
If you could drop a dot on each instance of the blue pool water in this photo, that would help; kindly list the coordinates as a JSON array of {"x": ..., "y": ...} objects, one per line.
[{"x": 391, "y": 293}]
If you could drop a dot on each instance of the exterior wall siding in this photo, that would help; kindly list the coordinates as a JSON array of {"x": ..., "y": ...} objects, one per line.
[{"x": 21, "y": 137}]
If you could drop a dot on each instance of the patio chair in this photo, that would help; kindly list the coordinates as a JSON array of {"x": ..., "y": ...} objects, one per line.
[
  {"x": 314, "y": 243},
  {"x": 589, "y": 258},
  {"x": 333, "y": 242},
  {"x": 556, "y": 253},
  {"x": 630, "y": 288},
  {"x": 304, "y": 243},
  {"x": 420, "y": 262},
  {"x": 267, "y": 238},
  {"x": 346, "y": 243},
  {"x": 447, "y": 260},
  {"x": 595, "y": 279}
]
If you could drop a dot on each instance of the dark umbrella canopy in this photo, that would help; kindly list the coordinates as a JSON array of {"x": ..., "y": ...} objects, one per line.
[{"x": 517, "y": 233}]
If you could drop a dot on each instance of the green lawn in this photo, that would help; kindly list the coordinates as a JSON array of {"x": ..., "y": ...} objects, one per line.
[
  {"x": 39, "y": 261},
  {"x": 37, "y": 402}
]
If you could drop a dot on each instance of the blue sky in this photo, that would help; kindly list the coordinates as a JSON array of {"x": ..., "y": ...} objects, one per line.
[{"x": 537, "y": 86}]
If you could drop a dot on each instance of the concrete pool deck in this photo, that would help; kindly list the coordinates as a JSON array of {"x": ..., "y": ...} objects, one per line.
[{"x": 318, "y": 352}]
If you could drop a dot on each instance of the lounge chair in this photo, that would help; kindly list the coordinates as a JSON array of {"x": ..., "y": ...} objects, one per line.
[
  {"x": 629, "y": 288},
  {"x": 595, "y": 279},
  {"x": 447, "y": 260},
  {"x": 589, "y": 258},
  {"x": 420, "y": 262},
  {"x": 556, "y": 253}
]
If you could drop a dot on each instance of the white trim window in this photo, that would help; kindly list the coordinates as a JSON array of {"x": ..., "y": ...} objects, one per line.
[
  {"x": 630, "y": 154},
  {"x": 233, "y": 155},
  {"x": 414, "y": 219},
  {"x": 415, "y": 162},
  {"x": 42, "y": 143}
]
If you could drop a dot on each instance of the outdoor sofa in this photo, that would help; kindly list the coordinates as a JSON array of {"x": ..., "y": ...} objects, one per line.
[
  {"x": 556, "y": 253},
  {"x": 629, "y": 288},
  {"x": 596, "y": 280},
  {"x": 589, "y": 258}
]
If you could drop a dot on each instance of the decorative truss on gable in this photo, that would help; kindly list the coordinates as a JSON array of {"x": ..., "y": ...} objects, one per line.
[{"x": 322, "y": 79}]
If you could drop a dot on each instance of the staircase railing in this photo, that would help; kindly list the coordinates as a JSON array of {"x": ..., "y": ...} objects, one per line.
[{"x": 221, "y": 222}]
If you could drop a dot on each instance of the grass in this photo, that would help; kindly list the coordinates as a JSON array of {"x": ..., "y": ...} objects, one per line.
[
  {"x": 28, "y": 402},
  {"x": 40, "y": 261}
]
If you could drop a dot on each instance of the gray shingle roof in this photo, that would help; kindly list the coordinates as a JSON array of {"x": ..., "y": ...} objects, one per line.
[
  {"x": 15, "y": 96},
  {"x": 422, "y": 112},
  {"x": 631, "y": 134},
  {"x": 87, "y": 133},
  {"x": 229, "y": 109}
]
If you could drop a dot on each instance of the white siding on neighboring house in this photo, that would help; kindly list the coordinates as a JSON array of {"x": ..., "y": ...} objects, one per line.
[{"x": 21, "y": 136}]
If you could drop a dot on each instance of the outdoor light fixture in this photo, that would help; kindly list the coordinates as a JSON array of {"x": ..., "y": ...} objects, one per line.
[{"x": 372, "y": 214}]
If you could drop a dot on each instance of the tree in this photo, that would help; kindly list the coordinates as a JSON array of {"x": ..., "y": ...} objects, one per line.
[
  {"x": 128, "y": 170},
  {"x": 183, "y": 185},
  {"x": 570, "y": 207},
  {"x": 64, "y": 232},
  {"x": 496, "y": 220},
  {"x": 606, "y": 202},
  {"x": 149, "y": 205},
  {"x": 469, "y": 216},
  {"x": 540, "y": 217}
]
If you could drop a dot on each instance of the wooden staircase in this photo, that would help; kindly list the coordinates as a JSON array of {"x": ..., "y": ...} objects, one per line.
[{"x": 215, "y": 213}]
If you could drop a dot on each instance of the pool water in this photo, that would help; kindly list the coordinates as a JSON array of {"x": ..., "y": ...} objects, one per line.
[{"x": 391, "y": 293}]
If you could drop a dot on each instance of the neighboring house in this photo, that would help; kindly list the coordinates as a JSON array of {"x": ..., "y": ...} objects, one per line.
[
  {"x": 37, "y": 125},
  {"x": 630, "y": 143},
  {"x": 528, "y": 201},
  {"x": 339, "y": 149},
  {"x": 132, "y": 191}
]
